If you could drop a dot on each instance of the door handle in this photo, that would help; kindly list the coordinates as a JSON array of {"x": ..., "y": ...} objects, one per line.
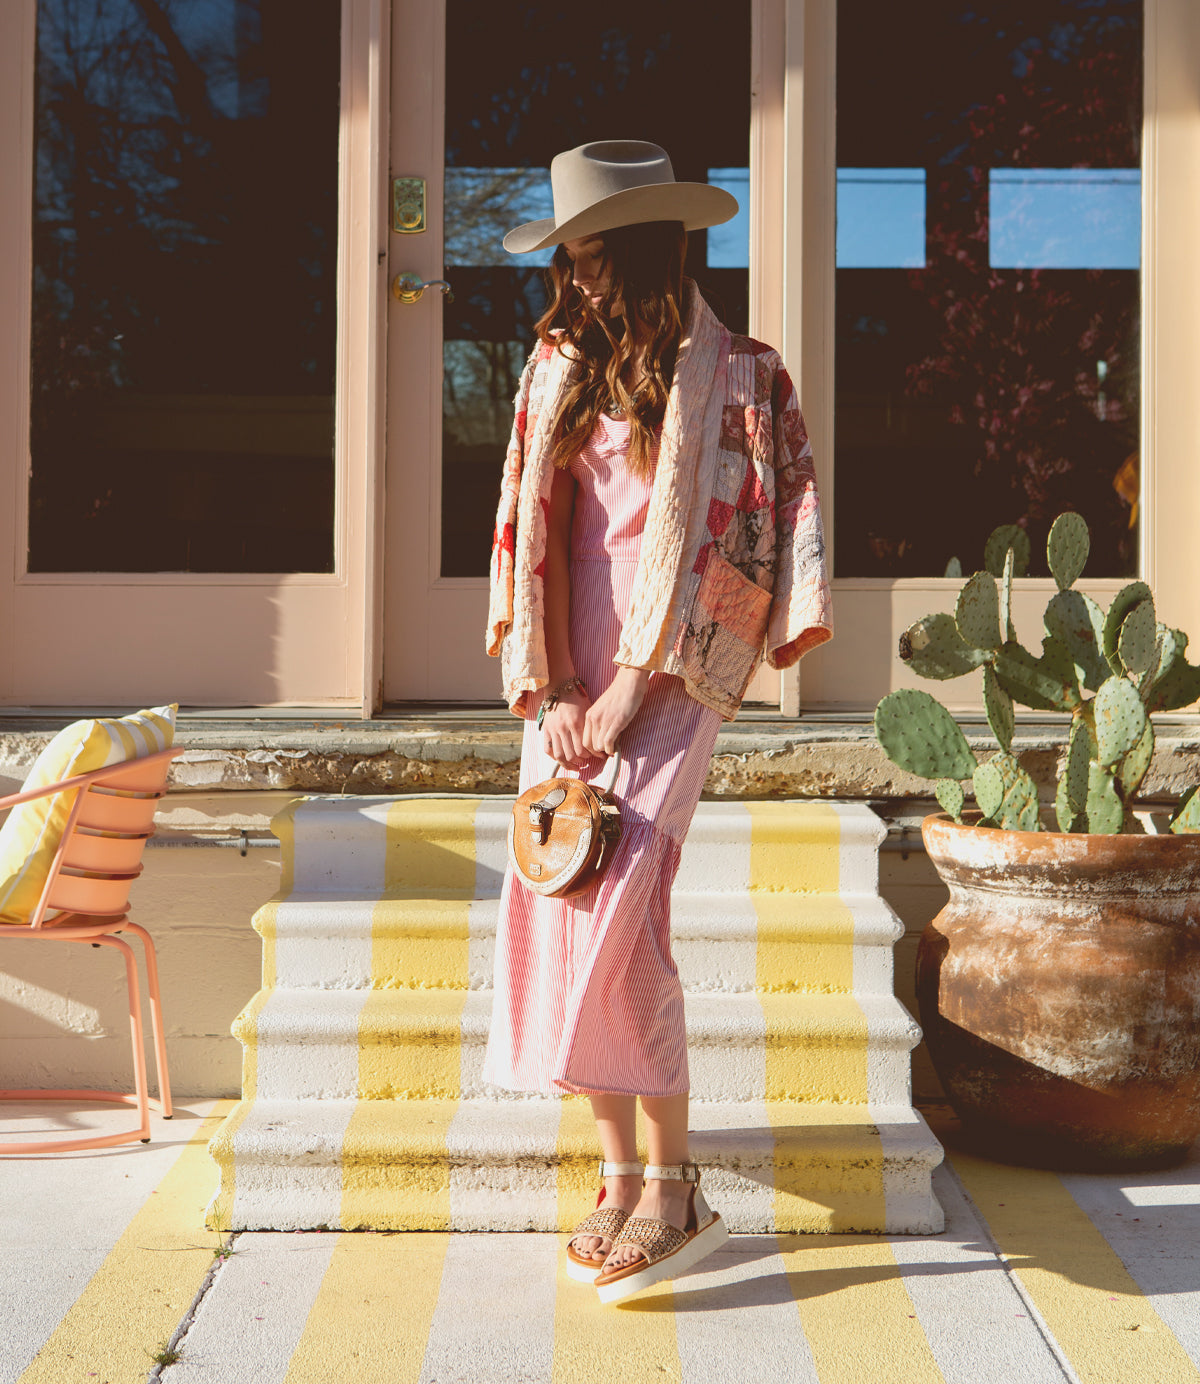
[{"x": 407, "y": 288}]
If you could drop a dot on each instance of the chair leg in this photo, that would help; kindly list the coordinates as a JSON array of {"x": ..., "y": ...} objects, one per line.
[
  {"x": 137, "y": 1033},
  {"x": 156, "y": 1019}
]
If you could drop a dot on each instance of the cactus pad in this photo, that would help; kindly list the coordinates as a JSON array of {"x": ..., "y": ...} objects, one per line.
[
  {"x": 1177, "y": 683},
  {"x": 1068, "y": 818},
  {"x": 1075, "y": 773},
  {"x": 1045, "y": 684},
  {"x": 1123, "y": 602},
  {"x": 933, "y": 648},
  {"x": 1132, "y": 769},
  {"x": 1187, "y": 819},
  {"x": 1077, "y": 622},
  {"x": 1006, "y": 581},
  {"x": 1006, "y": 794},
  {"x": 951, "y": 797},
  {"x": 978, "y": 612},
  {"x": 1120, "y": 720},
  {"x": 1105, "y": 812},
  {"x": 1067, "y": 549},
  {"x": 1137, "y": 642},
  {"x": 999, "y": 542},
  {"x": 999, "y": 707},
  {"x": 919, "y": 734},
  {"x": 953, "y": 568}
]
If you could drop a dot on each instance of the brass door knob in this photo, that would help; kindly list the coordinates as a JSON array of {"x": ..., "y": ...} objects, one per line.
[{"x": 407, "y": 288}]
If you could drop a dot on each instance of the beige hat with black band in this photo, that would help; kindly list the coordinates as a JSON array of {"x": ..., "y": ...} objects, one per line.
[{"x": 618, "y": 182}]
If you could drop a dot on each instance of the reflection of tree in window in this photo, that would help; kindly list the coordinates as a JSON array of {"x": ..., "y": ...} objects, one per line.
[
  {"x": 969, "y": 394},
  {"x": 184, "y": 282}
]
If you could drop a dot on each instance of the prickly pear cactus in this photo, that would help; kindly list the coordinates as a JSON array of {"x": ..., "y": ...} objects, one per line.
[
  {"x": 920, "y": 735},
  {"x": 1133, "y": 665}
]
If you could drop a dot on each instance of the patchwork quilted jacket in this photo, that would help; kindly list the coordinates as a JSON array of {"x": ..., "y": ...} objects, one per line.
[{"x": 732, "y": 566}]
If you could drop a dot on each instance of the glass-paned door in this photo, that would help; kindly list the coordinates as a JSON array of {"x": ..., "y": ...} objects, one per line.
[
  {"x": 534, "y": 79},
  {"x": 181, "y": 465}
]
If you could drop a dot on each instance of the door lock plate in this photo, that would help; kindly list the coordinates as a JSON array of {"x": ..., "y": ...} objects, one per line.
[{"x": 408, "y": 205}]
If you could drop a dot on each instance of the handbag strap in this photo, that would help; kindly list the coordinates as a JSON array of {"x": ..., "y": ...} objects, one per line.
[{"x": 615, "y": 759}]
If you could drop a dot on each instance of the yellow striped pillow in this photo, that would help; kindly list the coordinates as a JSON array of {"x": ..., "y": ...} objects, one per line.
[{"x": 30, "y": 836}]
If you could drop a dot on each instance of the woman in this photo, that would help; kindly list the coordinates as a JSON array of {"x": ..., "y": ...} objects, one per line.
[{"x": 658, "y": 533}]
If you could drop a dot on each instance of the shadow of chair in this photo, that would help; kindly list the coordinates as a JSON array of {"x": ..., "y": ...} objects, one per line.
[{"x": 86, "y": 900}]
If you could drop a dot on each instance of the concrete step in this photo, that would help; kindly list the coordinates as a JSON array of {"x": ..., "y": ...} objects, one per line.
[
  {"x": 364, "y": 1048},
  {"x": 404, "y": 1043},
  {"x": 768, "y": 1167},
  {"x": 728, "y": 941}
]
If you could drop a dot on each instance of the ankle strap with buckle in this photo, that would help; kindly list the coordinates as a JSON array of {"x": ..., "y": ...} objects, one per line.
[
  {"x": 620, "y": 1170},
  {"x": 676, "y": 1172}
]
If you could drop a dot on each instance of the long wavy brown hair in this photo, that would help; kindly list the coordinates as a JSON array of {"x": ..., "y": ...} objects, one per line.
[{"x": 645, "y": 265}]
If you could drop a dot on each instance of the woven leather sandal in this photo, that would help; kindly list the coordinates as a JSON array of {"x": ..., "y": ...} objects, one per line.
[
  {"x": 667, "y": 1250},
  {"x": 605, "y": 1221}
]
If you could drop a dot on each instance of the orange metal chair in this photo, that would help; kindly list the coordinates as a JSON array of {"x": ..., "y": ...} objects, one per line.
[{"x": 87, "y": 895}]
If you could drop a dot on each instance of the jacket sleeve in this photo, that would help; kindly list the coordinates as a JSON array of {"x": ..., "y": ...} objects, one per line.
[
  {"x": 504, "y": 540},
  {"x": 801, "y": 614}
]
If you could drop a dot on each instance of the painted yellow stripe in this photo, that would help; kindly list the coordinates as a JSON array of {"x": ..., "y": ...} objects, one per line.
[
  {"x": 856, "y": 1312},
  {"x": 430, "y": 856},
  {"x": 578, "y": 1148},
  {"x": 795, "y": 876},
  {"x": 144, "y": 1287},
  {"x": 832, "y": 1184},
  {"x": 372, "y": 1316},
  {"x": 633, "y": 1341},
  {"x": 245, "y": 1026},
  {"x": 1093, "y": 1308}
]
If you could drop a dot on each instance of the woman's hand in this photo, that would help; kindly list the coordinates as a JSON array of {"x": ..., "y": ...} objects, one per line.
[
  {"x": 562, "y": 729},
  {"x": 613, "y": 710}
]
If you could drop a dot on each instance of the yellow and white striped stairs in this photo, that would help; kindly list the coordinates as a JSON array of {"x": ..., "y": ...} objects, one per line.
[{"x": 362, "y": 1102}]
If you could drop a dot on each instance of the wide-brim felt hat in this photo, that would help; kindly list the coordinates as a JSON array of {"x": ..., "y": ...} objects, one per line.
[{"x": 618, "y": 182}]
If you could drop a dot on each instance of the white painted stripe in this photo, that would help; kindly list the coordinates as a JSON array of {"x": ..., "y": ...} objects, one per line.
[
  {"x": 289, "y": 1164},
  {"x": 307, "y": 1044},
  {"x": 478, "y": 1331},
  {"x": 323, "y": 941},
  {"x": 502, "y": 1171},
  {"x": 736, "y": 1318},
  {"x": 716, "y": 850},
  {"x": 1152, "y": 1222},
  {"x": 735, "y": 1146},
  {"x": 341, "y": 844},
  {"x": 250, "y": 1321},
  {"x": 956, "y": 1280}
]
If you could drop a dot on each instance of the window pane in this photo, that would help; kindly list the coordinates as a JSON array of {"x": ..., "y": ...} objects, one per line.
[
  {"x": 533, "y": 80},
  {"x": 988, "y": 253},
  {"x": 184, "y": 314}
]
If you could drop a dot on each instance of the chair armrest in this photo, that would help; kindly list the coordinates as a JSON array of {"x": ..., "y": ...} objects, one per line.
[{"x": 84, "y": 780}]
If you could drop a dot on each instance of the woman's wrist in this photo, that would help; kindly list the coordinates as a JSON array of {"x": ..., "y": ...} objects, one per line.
[{"x": 642, "y": 675}]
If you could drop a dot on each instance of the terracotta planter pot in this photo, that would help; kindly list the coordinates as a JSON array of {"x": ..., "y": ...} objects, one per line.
[{"x": 1060, "y": 993}]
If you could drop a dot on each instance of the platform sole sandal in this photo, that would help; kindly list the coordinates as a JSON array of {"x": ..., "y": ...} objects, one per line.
[
  {"x": 607, "y": 1222},
  {"x": 667, "y": 1250}
]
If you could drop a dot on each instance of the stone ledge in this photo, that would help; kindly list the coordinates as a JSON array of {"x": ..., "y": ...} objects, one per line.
[{"x": 757, "y": 756}]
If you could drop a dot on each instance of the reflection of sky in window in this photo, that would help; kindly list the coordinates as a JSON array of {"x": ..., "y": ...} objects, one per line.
[
  {"x": 880, "y": 218},
  {"x": 729, "y": 245},
  {"x": 1065, "y": 218}
]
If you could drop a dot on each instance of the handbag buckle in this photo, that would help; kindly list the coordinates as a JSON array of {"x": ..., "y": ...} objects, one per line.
[{"x": 541, "y": 813}]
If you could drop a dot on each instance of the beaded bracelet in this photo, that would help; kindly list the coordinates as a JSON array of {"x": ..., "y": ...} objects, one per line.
[{"x": 556, "y": 694}]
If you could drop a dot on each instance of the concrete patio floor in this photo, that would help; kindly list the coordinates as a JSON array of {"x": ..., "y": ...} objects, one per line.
[{"x": 1039, "y": 1277}]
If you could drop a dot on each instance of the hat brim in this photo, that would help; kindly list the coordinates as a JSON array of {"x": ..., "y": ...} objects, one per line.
[{"x": 697, "y": 205}]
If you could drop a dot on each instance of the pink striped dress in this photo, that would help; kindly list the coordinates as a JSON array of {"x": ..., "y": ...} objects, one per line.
[{"x": 587, "y": 997}]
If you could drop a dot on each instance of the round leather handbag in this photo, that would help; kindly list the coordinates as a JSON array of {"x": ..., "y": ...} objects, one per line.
[{"x": 563, "y": 834}]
